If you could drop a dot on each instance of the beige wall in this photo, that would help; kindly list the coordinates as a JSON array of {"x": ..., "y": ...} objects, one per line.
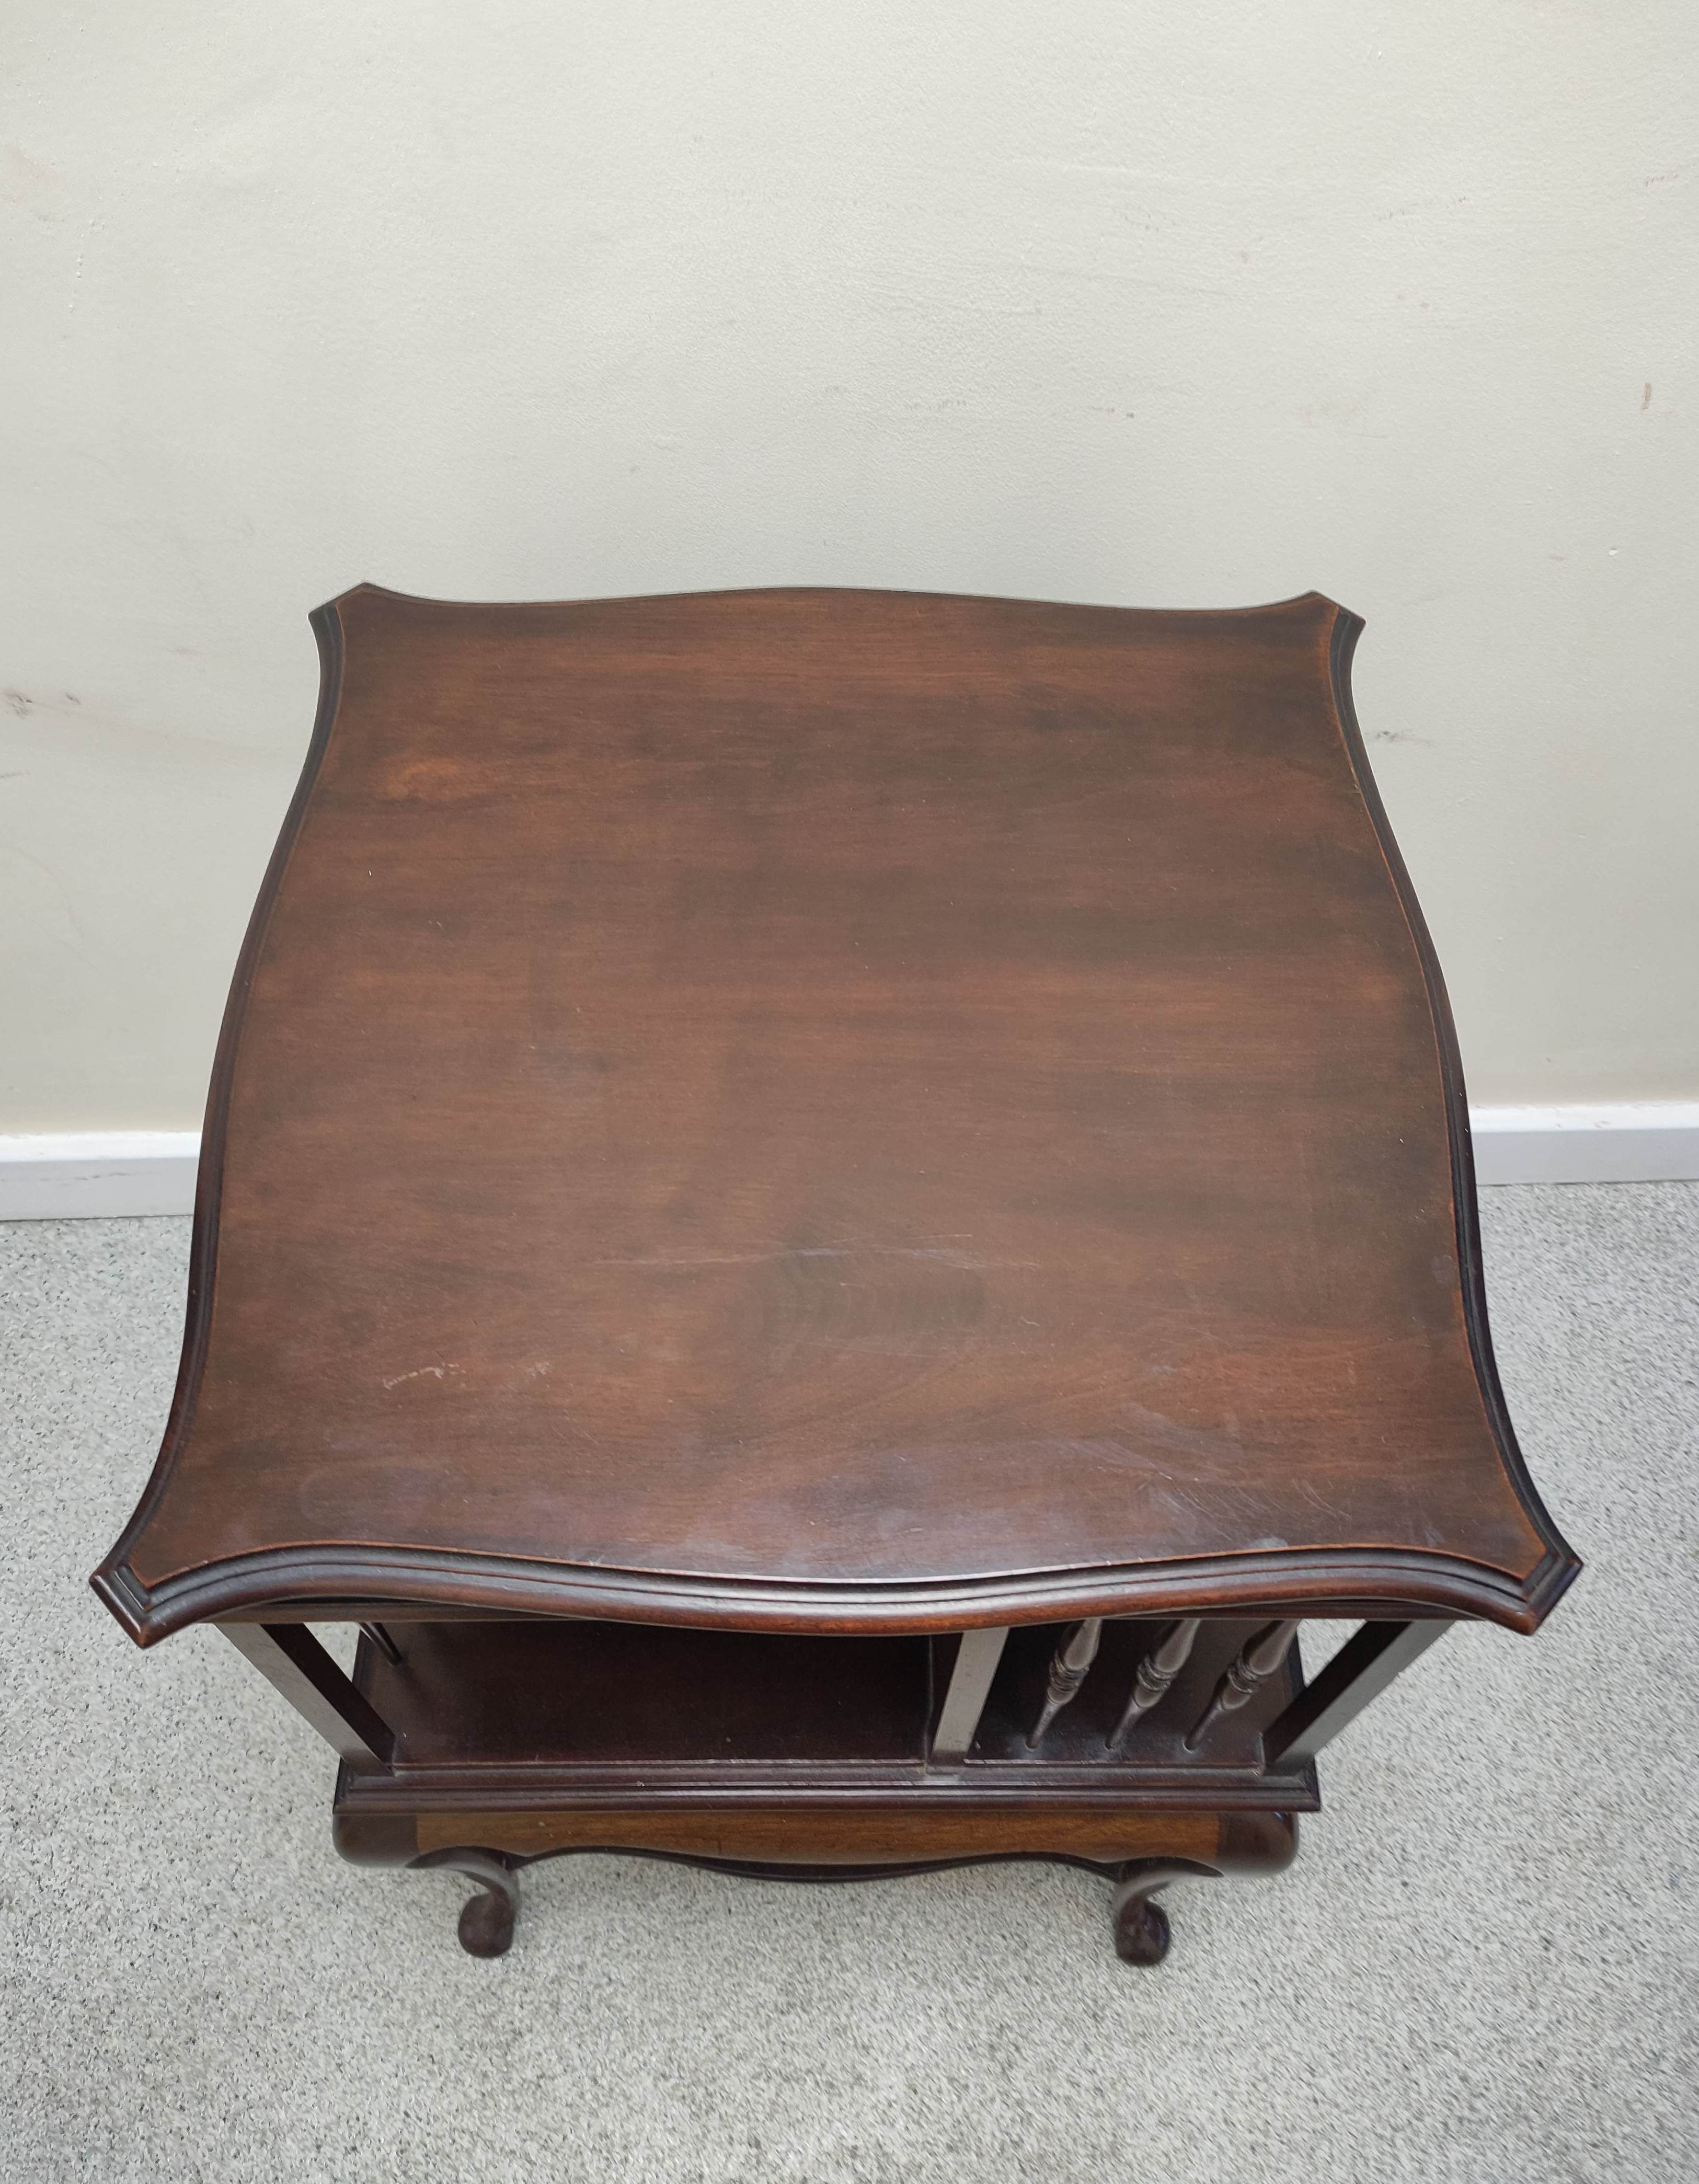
[{"x": 1152, "y": 304}]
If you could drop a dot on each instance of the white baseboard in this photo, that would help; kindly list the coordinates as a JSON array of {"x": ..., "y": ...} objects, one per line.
[
  {"x": 100, "y": 1175},
  {"x": 1635, "y": 1141}
]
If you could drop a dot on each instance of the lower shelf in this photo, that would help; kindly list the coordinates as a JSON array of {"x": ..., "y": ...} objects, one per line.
[
  {"x": 804, "y": 1758},
  {"x": 543, "y": 1736},
  {"x": 600, "y": 1696}
]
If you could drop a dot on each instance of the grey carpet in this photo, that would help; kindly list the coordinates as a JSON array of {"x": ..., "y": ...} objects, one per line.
[{"x": 1482, "y": 1967}]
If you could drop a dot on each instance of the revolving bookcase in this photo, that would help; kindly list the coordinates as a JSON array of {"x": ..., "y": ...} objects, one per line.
[{"x": 829, "y": 1215}]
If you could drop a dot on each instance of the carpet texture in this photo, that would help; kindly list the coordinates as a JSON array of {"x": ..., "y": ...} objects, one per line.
[{"x": 1482, "y": 1967}]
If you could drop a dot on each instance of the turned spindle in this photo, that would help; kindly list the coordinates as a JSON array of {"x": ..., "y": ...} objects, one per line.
[
  {"x": 1155, "y": 1671},
  {"x": 1245, "y": 1678},
  {"x": 1070, "y": 1661}
]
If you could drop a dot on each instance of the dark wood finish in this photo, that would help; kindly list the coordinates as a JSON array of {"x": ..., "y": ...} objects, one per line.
[
  {"x": 801, "y": 1756},
  {"x": 1080, "y": 1747},
  {"x": 836, "y": 1112},
  {"x": 1247, "y": 1843},
  {"x": 563, "y": 1714},
  {"x": 488, "y": 1919},
  {"x": 1261, "y": 1659},
  {"x": 801, "y": 1188},
  {"x": 1359, "y": 1671},
  {"x": 612, "y": 1695},
  {"x": 1070, "y": 1665},
  {"x": 764, "y": 1754},
  {"x": 1141, "y": 1851},
  {"x": 379, "y": 1635},
  {"x": 1153, "y": 1677},
  {"x": 1142, "y": 1932},
  {"x": 296, "y": 1665},
  {"x": 888, "y": 1834}
]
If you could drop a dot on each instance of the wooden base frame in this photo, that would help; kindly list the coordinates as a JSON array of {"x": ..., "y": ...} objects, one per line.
[
  {"x": 1147, "y": 1752},
  {"x": 479, "y": 1749},
  {"x": 1174, "y": 1846}
]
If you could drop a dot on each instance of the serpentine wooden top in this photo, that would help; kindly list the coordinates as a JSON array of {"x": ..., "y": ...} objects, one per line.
[{"x": 836, "y": 1110}]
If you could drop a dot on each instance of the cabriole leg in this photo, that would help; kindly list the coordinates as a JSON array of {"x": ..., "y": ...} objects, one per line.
[
  {"x": 1142, "y": 1932},
  {"x": 487, "y": 1922},
  {"x": 1254, "y": 1842}
]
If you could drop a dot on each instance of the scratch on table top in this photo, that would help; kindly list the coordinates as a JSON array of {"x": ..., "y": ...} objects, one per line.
[{"x": 421, "y": 1373}]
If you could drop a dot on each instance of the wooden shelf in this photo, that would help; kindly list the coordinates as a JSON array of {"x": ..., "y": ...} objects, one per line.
[
  {"x": 557, "y": 1714},
  {"x": 595, "y": 1696}
]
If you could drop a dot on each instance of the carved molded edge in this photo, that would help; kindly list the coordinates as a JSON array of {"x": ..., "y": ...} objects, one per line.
[
  {"x": 1014, "y": 1787},
  {"x": 1293, "y": 601},
  {"x": 323, "y": 1583},
  {"x": 1562, "y": 1566},
  {"x": 113, "y": 1581}
]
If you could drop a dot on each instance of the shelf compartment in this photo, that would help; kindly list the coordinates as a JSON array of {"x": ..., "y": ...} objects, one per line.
[
  {"x": 599, "y": 1717},
  {"x": 1077, "y": 1737},
  {"x": 622, "y": 1696}
]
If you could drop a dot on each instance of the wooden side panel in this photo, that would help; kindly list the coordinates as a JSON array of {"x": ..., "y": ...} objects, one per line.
[{"x": 877, "y": 1834}]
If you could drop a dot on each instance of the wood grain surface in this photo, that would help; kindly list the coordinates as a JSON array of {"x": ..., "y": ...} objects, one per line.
[
  {"x": 837, "y": 1111},
  {"x": 874, "y": 1834}
]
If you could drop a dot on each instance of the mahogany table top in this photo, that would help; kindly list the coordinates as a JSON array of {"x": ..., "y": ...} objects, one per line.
[{"x": 836, "y": 1110}]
